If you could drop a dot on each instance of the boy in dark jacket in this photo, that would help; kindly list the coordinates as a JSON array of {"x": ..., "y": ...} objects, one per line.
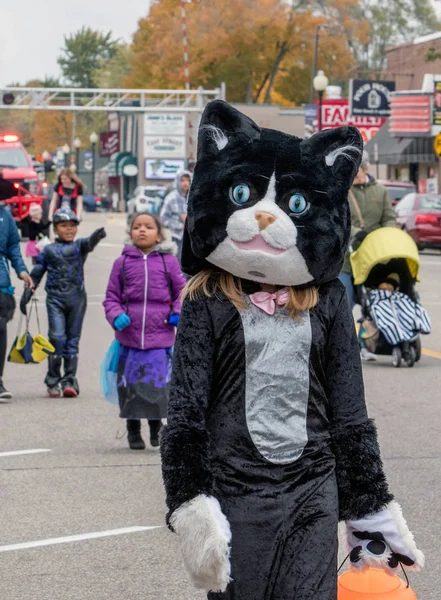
[
  {"x": 66, "y": 298},
  {"x": 9, "y": 251}
]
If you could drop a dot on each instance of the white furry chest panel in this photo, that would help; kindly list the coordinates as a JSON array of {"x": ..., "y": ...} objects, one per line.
[{"x": 277, "y": 350}]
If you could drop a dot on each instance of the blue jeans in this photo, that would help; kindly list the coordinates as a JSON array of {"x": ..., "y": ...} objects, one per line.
[{"x": 346, "y": 279}]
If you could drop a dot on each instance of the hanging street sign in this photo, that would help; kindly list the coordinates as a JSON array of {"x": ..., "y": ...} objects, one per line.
[{"x": 370, "y": 98}]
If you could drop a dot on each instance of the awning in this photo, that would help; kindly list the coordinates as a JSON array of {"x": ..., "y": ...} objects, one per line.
[
  {"x": 400, "y": 151},
  {"x": 118, "y": 161},
  {"x": 390, "y": 149}
]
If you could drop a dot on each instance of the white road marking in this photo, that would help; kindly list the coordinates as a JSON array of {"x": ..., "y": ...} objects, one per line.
[
  {"x": 20, "y": 452},
  {"x": 76, "y": 538}
]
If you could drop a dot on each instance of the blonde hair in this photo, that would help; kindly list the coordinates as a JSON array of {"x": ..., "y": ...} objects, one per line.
[
  {"x": 72, "y": 176},
  {"x": 210, "y": 282}
]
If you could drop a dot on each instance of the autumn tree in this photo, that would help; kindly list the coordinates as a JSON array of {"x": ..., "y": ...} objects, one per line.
[
  {"x": 82, "y": 53},
  {"x": 262, "y": 49}
]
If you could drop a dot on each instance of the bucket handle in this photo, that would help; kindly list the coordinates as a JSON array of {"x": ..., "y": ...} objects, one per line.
[{"x": 401, "y": 565}]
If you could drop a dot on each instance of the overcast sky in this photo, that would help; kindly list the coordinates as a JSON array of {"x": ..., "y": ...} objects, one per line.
[{"x": 32, "y": 31}]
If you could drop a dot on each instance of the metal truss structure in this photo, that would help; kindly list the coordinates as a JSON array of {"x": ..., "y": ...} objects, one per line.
[{"x": 107, "y": 100}]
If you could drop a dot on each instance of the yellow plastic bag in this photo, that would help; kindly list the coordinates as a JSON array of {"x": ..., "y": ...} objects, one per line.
[
  {"x": 41, "y": 348},
  {"x": 22, "y": 350},
  {"x": 27, "y": 349}
]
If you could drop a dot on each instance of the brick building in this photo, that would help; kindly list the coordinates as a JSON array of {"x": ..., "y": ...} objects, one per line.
[{"x": 407, "y": 63}]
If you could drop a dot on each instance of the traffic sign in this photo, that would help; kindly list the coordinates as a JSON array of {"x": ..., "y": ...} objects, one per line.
[{"x": 437, "y": 144}]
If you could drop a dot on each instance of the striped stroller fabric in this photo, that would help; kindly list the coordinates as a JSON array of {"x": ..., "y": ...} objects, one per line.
[{"x": 397, "y": 316}]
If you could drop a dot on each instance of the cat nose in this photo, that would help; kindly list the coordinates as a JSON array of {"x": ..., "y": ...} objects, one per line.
[{"x": 264, "y": 219}]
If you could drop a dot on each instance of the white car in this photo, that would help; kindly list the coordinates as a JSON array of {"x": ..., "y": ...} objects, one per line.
[{"x": 146, "y": 198}]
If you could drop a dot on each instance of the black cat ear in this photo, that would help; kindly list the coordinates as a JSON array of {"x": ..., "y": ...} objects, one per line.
[
  {"x": 334, "y": 153},
  {"x": 220, "y": 125}
]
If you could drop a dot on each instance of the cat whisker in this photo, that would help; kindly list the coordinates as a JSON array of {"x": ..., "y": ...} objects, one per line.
[{"x": 320, "y": 192}]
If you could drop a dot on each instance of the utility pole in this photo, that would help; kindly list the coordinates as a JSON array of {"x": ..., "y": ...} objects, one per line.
[
  {"x": 185, "y": 41},
  {"x": 314, "y": 64}
]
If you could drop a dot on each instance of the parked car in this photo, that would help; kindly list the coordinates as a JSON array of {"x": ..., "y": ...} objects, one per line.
[
  {"x": 398, "y": 189},
  {"x": 420, "y": 216},
  {"x": 147, "y": 198},
  {"x": 92, "y": 203}
]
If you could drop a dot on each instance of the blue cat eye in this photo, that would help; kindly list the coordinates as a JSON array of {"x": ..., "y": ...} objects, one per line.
[
  {"x": 297, "y": 204},
  {"x": 240, "y": 194}
]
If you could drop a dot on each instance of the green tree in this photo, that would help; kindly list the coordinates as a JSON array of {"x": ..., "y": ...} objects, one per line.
[
  {"x": 390, "y": 22},
  {"x": 111, "y": 72},
  {"x": 81, "y": 54}
]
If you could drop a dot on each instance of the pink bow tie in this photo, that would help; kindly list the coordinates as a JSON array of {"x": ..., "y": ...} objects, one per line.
[{"x": 267, "y": 301}]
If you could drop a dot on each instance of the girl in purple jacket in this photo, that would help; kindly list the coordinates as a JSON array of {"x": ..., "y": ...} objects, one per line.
[{"x": 142, "y": 305}]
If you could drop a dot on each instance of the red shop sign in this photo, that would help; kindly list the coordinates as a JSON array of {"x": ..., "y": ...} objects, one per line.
[{"x": 335, "y": 113}]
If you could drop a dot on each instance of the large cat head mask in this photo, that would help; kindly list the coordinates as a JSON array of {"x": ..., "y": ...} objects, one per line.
[{"x": 268, "y": 206}]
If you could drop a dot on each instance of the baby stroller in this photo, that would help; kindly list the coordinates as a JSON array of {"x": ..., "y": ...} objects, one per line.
[{"x": 384, "y": 252}]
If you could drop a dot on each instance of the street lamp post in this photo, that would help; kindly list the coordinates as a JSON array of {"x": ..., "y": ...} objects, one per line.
[
  {"x": 77, "y": 145},
  {"x": 93, "y": 140},
  {"x": 66, "y": 151},
  {"x": 320, "y": 83}
]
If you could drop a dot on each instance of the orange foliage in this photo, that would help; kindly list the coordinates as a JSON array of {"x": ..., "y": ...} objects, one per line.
[
  {"x": 249, "y": 44},
  {"x": 52, "y": 129}
]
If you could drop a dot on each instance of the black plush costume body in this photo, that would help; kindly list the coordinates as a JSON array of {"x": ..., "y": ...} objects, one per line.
[{"x": 268, "y": 443}]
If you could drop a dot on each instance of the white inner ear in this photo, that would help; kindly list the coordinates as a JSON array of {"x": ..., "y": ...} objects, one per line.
[
  {"x": 218, "y": 136},
  {"x": 343, "y": 151}
]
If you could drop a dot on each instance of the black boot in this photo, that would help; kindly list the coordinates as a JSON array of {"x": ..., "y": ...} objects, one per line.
[
  {"x": 69, "y": 383},
  {"x": 155, "y": 427},
  {"x": 53, "y": 376},
  {"x": 134, "y": 435}
]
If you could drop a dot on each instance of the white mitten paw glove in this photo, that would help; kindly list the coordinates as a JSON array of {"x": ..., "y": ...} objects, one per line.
[
  {"x": 204, "y": 537},
  {"x": 383, "y": 540}
]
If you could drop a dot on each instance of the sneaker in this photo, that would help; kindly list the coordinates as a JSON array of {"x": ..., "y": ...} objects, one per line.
[
  {"x": 54, "y": 392},
  {"x": 366, "y": 355},
  {"x": 70, "y": 392},
  {"x": 5, "y": 396},
  {"x": 135, "y": 440}
]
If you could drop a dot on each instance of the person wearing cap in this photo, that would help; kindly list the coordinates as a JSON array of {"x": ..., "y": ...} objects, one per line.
[
  {"x": 9, "y": 253},
  {"x": 66, "y": 299},
  {"x": 391, "y": 283}
]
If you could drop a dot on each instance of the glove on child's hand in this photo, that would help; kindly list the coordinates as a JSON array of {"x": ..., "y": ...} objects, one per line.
[
  {"x": 101, "y": 233},
  {"x": 173, "y": 320},
  {"x": 383, "y": 540},
  {"x": 26, "y": 296},
  {"x": 121, "y": 322},
  {"x": 204, "y": 537}
]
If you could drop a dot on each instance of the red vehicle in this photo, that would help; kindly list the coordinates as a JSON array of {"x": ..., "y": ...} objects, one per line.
[
  {"x": 17, "y": 167},
  {"x": 397, "y": 189},
  {"x": 420, "y": 216}
]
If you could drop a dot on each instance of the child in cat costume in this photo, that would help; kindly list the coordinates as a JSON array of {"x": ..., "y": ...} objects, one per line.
[{"x": 268, "y": 443}]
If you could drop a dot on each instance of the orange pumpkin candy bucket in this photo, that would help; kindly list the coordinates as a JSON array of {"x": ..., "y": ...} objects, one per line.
[{"x": 373, "y": 584}]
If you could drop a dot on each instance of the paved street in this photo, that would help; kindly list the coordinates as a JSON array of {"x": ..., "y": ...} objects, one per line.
[{"x": 88, "y": 482}]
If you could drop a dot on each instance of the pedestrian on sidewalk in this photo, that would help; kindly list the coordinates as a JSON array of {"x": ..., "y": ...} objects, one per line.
[
  {"x": 66, "y": 299},
  {"x": 37, "y": 227},
  {"x": 9, "y": 252},
  {"x": 174, "y": 210},
  {"x": 142, "y": 305},
  {"x": 370, "y": 209},
  {"x": 68, "y": 194}
]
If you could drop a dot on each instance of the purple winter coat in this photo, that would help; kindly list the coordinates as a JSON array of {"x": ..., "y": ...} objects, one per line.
[{"x": 148, "y": 296}]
